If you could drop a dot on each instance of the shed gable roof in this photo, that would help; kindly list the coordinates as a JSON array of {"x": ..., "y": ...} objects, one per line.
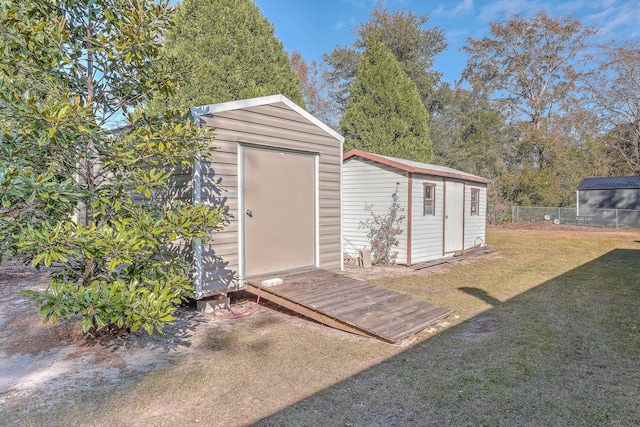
[
  {"x": 211, "y": 110},
  {"x": 610, "y": 183},
  {"x": 416, "y": 167}
]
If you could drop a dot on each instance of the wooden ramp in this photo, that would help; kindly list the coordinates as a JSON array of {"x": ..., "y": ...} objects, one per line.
[
  {"x": 349, "y": 304},
  {"x": 469, "y": 253}
]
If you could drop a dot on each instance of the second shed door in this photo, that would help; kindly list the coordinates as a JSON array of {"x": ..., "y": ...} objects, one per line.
[
  {"x": 279, "y": 210},
  {"x": 453, "y": 216}
]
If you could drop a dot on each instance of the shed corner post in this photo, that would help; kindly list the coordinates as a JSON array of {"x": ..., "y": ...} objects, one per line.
[
  {"x": 341, "y": 141},
  {"x": 197, "y": 199},
  {"x": 409, "y": 216}
]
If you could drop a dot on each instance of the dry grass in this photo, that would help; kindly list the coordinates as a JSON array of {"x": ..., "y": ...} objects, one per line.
[{"x": 547, "y": 333}]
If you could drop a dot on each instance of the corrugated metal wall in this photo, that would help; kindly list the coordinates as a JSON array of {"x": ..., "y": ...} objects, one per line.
[
  {"x": 369, "y": 183},
  {"x": 366, "y": 182}
]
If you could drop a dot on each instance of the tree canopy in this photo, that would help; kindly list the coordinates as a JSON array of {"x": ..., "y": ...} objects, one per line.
[
  {"x": 616, "y": 94},
  {"x": 78, "y": 196},
  {"x": 315, "y": 84},
  {"x": 532, "y": 66},
  {"x": 384, "y": 112},
  {"x": 533, "y": 69},
  {"x": 233, "y": 54},
  {"x": 414, "y": 46}
]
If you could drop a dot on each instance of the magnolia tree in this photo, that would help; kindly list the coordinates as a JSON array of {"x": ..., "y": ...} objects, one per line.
[{"x": 78, "y": 197}]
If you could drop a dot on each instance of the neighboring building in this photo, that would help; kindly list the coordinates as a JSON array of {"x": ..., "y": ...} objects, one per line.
[
  {"x": 610, "y": 200},
  {"x": 278, "y": 169},
  {"x": 444, "y": 208}
]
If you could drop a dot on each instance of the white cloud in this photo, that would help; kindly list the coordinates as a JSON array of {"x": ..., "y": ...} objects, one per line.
[
  {"x": 457, "y": 36},
  {"x": 502, "y": 9},
  {"x": 339, "y": 25},
  {"x": 462, "y": 8},
  {"x": 617, "y": 20}
]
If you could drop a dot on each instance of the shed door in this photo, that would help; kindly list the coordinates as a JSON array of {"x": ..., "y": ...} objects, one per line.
[
  {"x": 279, "y": 210},
  {"x": 453, "y": 216}
]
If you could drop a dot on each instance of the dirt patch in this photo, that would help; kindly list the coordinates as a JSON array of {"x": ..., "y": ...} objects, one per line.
[
  {"x": 377, "y": 271},
  {"x": 477, "y": 328},
  {"x": 38, "y": 359}
]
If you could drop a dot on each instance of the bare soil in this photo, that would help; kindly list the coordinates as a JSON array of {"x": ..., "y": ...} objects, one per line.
[{"x": 39, "y": 361}]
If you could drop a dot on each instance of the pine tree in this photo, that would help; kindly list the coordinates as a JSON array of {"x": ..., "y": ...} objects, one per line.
[
  {"x": 384, "y": 112},
  {"x": 233, "y": 54}
]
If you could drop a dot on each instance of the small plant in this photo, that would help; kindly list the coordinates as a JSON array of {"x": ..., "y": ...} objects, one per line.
[{"x": 384, "y": 231}]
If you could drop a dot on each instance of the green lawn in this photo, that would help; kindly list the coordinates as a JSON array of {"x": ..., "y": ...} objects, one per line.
[
  {"x": 547, "y": 333},
  {"x": 550, "y": 335}
]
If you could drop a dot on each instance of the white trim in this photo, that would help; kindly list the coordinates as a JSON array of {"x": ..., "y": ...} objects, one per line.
[
  {"x": 341, "y": 210},
  {"x": 240, "y": 168},
  {"x": 241, "y": 216},
  {"x": 197, "y": 250},
  {"x": 208, "y": 110},
  {"x": 316, "y": 184}
]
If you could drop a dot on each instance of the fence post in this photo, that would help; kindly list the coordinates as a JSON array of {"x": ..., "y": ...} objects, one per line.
[
  {"x": 616, "y": 219},
  {"x": 513, "y": 214}
]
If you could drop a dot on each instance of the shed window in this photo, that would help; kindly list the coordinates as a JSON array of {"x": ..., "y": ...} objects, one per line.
[
  {"x": 429, "y": 199},
  {"x": 475, "y": 201}
]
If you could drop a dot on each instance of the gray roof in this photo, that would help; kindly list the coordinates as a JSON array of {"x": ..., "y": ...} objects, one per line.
[{"x": 610, "y": 182}]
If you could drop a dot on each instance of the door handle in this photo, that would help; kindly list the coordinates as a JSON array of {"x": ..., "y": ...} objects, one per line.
[{"x": 249, "y": 213}]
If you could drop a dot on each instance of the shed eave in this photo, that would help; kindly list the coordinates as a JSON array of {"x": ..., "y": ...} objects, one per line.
[
  {"x": 415, "y": 170},
  {"x": 212, "y": 109}
]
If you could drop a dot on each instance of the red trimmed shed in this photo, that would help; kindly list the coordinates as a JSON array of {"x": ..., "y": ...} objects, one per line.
[{"x": 444, "y": 208}]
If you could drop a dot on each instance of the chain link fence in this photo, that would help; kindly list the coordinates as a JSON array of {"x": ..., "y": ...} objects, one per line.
[{"x": 585, "y": 217}]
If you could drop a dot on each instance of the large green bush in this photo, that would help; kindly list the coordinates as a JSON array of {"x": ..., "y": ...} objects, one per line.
[{"x": 94, "y": 203}]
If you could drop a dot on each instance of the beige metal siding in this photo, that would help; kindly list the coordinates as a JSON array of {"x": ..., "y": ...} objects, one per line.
[{"x": 278, "y": 126}]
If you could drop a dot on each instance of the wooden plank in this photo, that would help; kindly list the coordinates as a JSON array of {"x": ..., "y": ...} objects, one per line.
[
  {"x": 344, "y": 298},
  {"x": 328, "y": 293},
  {"x": 312, "y": 314},
  {"x": 469, "y": 253},
  {"x": 310, "y": 290},
  {"x": 401, "y": 333},
  {"x": 418, "y": 315},
  {"x": 349, "y": 304},
  {"x": 376, "y": 298}
]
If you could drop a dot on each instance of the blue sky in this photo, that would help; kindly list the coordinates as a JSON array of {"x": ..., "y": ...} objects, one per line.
[{"x": 314, "y": 27}]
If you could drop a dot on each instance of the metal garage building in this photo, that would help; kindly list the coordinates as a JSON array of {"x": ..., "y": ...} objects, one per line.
[{"x": 613, "y": 200}]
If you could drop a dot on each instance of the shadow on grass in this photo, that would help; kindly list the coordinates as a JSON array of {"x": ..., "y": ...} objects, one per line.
[
  {"x": 564, "y": 353},
  {"x": 481, "y": 294}
]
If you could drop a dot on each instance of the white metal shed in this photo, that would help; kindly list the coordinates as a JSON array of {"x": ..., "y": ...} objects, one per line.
[{"x": 444, "y": 208}]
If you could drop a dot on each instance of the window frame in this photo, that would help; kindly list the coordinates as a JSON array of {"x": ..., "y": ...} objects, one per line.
[
  {"x": 432, "y": 199},
  {"x": 475, "y": 204}
]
